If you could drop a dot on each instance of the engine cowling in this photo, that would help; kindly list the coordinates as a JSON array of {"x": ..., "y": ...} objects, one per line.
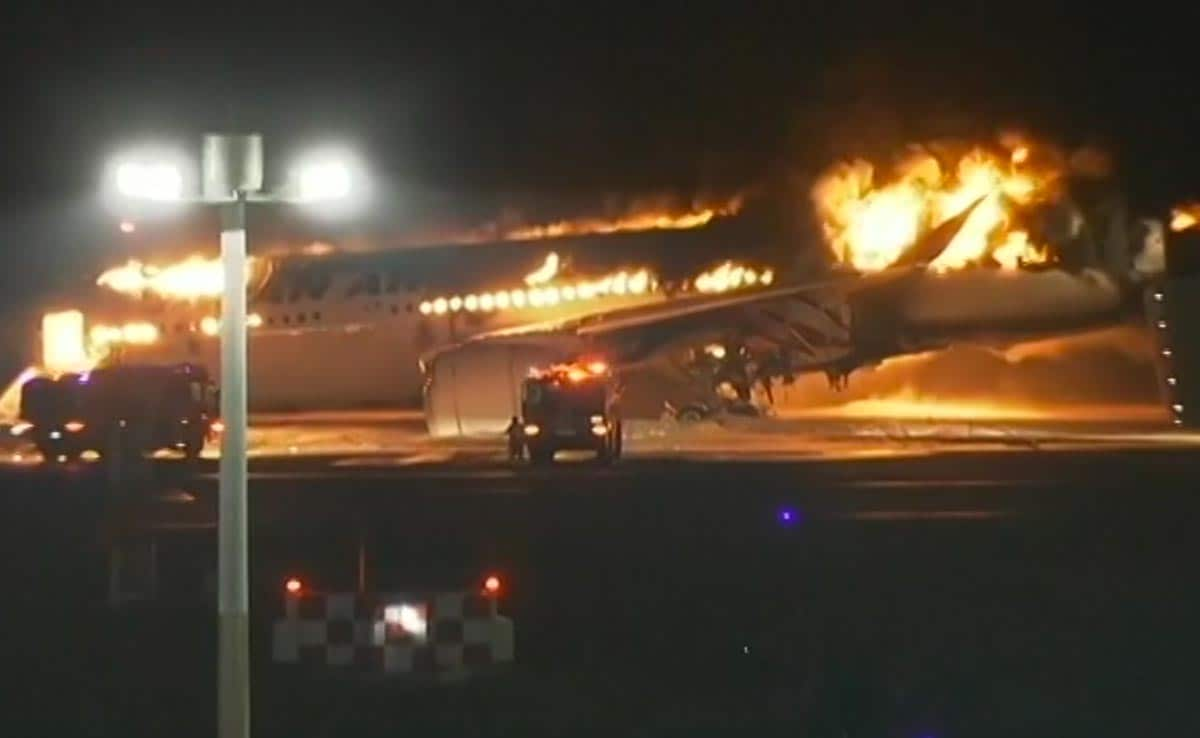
[{"x": 475, "y": 388}]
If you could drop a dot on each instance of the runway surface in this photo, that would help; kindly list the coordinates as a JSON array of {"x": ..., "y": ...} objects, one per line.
[
  {"x": 382, "y": 439},
  {"x": 802, "y": 578}
]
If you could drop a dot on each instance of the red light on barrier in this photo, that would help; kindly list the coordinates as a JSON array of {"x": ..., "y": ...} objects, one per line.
[
  {"x": 293, "y": 586},
  {"x": 491, "y": 585}
]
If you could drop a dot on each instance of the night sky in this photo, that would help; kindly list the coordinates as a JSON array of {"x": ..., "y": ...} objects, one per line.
[{"x": 463, "y": 111}]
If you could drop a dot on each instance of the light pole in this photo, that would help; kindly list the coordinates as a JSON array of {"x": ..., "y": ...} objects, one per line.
[
  {"x": 233, "y": 599},
  {"x": 232, "y": 171},
  {"x": 232, "y": 176}
]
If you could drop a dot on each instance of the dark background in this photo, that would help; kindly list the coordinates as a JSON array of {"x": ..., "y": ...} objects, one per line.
[{"x": 465, "y": 111}]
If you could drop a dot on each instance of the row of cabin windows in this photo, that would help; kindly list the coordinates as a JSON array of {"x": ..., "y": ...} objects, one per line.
[{"x": 285, "y": 319}]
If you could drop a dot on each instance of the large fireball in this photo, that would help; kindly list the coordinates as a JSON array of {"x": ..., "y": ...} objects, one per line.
[{"x": 870, "y": 219}]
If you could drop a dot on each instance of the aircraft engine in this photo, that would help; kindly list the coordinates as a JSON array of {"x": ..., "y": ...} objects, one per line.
[{"x": 475, "y": 388}]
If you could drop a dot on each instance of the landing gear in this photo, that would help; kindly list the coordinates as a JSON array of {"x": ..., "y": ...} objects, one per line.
[
  {"x": 743, "y": 409},
  {"x": 699, "y": 411},
  {"x": 693, "y": 413}
]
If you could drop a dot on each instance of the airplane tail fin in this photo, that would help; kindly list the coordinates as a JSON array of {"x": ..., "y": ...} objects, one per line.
[
  {"x": 930, "y": 246},
  {"x": 1171, "y": 306}
]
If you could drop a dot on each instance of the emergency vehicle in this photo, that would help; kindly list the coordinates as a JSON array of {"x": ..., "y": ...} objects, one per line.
[
  {"x": 120, "y": 410},
  {"x": 571, "y": 406}
]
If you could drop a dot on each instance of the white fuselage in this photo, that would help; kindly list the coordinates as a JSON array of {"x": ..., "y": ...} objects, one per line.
[{"x": 347, "y": 347}]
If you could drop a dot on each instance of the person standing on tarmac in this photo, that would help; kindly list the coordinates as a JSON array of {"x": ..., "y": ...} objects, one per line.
[{"x": 516, "y": 439}]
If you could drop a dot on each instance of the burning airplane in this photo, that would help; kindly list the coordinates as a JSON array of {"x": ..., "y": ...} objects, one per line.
[
  {"x": 991, "y": 244},
  {"x": 331, "y": 329},
  {"x": 983, "y": 244}
]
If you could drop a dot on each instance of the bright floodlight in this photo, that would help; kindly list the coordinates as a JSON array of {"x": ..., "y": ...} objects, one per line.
[
  {"x": 150, "y": 181},
  {"x": 323, "y": 179}
]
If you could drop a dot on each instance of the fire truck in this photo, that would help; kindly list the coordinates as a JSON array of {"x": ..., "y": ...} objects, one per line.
[
  {"x": 571, "y": 406},
  {"x": 120, "y": 410}
]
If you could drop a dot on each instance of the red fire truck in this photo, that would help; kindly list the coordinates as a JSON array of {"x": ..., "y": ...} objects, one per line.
[{"x": 571, "y": 406}]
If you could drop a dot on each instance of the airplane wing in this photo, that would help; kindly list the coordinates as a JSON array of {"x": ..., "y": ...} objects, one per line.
[
  {"x": 712, "y": 308},
  {"x": 731, "y": 340},
  {"x": 795, "y": 315}
]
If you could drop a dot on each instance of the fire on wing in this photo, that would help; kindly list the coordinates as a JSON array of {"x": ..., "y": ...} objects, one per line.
[{"x": 870, "y": 218}]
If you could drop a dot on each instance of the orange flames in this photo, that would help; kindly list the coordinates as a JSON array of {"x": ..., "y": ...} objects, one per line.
[
  {"x": 910, "y": 405},
  {"x": 546, "y": 288},
  {"x": 194, "y": 278},
  {"x": 731, "y": 276},
  {"x": 1016, "y": 250},
  {"x": 870, "y": 222},
  {"x": 1110, "y": 371},
  {"x": 1185, "y": 217},
  {"x": 639, "y": 218}
]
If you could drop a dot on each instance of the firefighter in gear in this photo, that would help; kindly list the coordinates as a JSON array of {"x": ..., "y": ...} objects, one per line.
[{"x": 516, "y": 439}]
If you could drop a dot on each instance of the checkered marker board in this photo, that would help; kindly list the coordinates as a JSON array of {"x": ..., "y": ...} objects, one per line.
[{"x": 396, "y": 633}]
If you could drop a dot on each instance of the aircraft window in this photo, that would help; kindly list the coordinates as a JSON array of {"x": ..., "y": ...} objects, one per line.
[
  {"x": 316, "y": 315},
  {"x": 395, "y": 310},
  {"x": 287, "y": 319},
  {"x": 302, "y": 318},
  {"x": 372, "y": 284},
  {"x": 270, "y": 320},
  {"x": 408, "y": 308},
  {"x": 393, "y": 282}
]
